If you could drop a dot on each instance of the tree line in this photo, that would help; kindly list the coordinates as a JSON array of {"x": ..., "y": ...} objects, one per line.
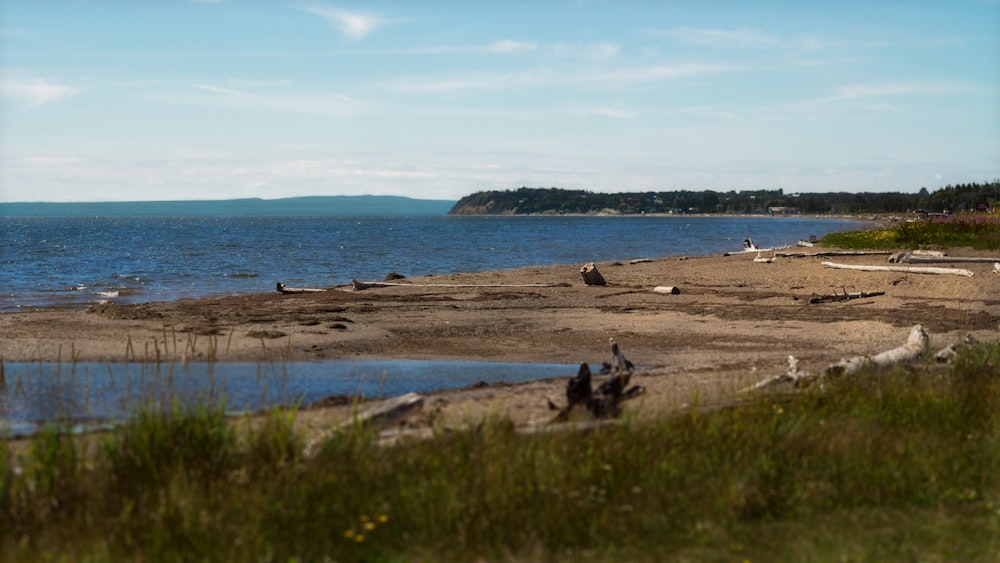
[{"x": 527, "y": 201}]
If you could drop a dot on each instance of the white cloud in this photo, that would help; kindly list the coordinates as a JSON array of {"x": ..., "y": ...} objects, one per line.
[
  {"x": 862, "y": 91},
  {"x": 37, "y": 92},
  {"x": 611, "y": 78},
  {"x": 354, "y": 25},
  {"x": 226, "y": 91},
  {"x": 597, "y": 51},
  {"x": 724, "y": 38},
  {"x": 511, "y": 46}
]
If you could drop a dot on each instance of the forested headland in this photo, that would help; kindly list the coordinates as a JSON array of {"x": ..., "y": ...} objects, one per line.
[{"x": 556, "y": 201}]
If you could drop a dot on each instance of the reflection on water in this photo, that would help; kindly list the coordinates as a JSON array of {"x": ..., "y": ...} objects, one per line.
[{"x": 91, "y": 393}]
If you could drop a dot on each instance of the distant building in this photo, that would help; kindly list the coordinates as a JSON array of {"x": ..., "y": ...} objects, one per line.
[{"x": 782, "y": 210}]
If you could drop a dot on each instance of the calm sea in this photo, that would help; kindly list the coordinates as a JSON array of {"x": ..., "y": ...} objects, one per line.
[{"x": 72, "y": 262}]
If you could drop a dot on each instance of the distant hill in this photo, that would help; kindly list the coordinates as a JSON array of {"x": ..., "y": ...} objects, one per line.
[
  {"x": 293, "y": 206},
  {"x": 555, "y": 201}
]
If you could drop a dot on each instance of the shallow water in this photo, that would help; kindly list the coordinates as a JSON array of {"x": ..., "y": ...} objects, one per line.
[
  {"x": 70, "y": 262},
  {"x": 90, "y": 393}
]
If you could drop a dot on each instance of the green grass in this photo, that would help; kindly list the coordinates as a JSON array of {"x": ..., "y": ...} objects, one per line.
[
  {"x": 973, "y": 230},
  {"x": 898, "y": 465}
]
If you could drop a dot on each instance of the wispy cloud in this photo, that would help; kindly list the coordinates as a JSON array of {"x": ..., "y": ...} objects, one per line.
[
  {"x": 723, "y": 38},
  {"x": 353, "y": 24},
  {"x": 37, "y": 92},
  {"x": 862, "y": 91},
  {"x": 598, "y": 51},
  {"x": 226, "y": 91},
  {"x": 511, "y": 46},
  {"x": 505, "y": 80}
]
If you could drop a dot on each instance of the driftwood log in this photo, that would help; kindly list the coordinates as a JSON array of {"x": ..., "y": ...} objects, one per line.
[
  {"x": 907, "y": 269},
  {"x": 914, "y": 347},
  {"x": 606, "y": 400},
  {"x": 827, "y": 253},
  {"x": 282, "y": 289},
  {"x": 360, "y": 285},
  {"x": 668, "y": 289},
  {"x": 591, "y": 276},
  {"x": 910, "y": 258},
  {"x": 835, "y": 297}
]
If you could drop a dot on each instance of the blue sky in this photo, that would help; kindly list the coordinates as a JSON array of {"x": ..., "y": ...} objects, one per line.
[{"x": 111, "y": 100}]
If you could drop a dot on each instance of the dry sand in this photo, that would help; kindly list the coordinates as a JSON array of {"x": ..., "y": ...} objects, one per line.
[{"x": 734, "y": 322}]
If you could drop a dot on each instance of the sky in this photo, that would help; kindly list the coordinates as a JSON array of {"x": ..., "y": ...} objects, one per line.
[{"x": 115, "y": 100}]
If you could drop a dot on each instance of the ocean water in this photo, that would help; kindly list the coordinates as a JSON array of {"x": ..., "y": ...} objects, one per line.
[{"x": 67, "y": 263}]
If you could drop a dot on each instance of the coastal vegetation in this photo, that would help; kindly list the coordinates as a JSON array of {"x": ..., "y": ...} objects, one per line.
[
  {"x": 526, "y": 201},
  {"x": 896, "y": 465},
  {"x": 972, "y": 230}
]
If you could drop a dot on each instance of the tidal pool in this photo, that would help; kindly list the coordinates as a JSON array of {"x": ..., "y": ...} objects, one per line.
[{"x": 92, "y": 394}]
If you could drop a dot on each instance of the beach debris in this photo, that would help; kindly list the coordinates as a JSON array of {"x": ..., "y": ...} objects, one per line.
[
  {"x": 845, "y": 296},
  {"x": 938, "y": 258},
  {"x": 360, "y": 285},
  {"x": 605, "y": 401},
  {"x": 281, "y": 288},
  {"x": 591, "y": 276},
  {"x": 945, "y": 354},
  {"x": 792, "y": 375},
  {"x": 668, "y": 289},
  {"x": 790, "y": 254},
  {"x": 913, "y": 348},
  {"x": 640, "y": 261},
  {"x": 391, "y": 412},
  {"x": 761, "y": 259},
  {"x": 907, "y": 269},
  {"x": 996, "y": 268}
]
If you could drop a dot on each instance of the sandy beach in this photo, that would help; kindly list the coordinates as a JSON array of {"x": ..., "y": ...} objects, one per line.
[{"x": 734, "y": 322}]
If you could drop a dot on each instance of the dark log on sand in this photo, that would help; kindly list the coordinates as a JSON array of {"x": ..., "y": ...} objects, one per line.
[
  {"x": 282, "y": 289},
  {"x": 606, "y": 400},
  {"x": 843, "y": 296},
  {"x": 591, "y": 276}
]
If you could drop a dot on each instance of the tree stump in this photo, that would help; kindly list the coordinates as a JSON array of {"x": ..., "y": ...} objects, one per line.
[{"x": 591, "y": 276}]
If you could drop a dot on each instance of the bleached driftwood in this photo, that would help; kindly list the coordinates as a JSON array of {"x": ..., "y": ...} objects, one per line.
[
  {"x": 907, "y": 269},
  {"x": 843, "y": 296},
  {"x": 764, "y": 259},
  {"x": 908, "y": 258},
  {"x": 640, "y": 261},
  {"x": 914, "y": 347},
  {"x": 792, "y": 375},
  {"x": 668, "y": 289},
  {"x": 996, "y": 268},
  {"x": 948, "y": 352},
  {"x": 386, "y": 414},
  {"x": 282, "y": 289},
  {"x": 391, "y": 412},
  {"x": 591, "y": 276}
]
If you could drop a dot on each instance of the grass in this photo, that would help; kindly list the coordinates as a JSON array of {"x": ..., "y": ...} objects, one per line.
[
  {"x": 973, "y": 230},
  {"x": 898, "y": 465}
]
